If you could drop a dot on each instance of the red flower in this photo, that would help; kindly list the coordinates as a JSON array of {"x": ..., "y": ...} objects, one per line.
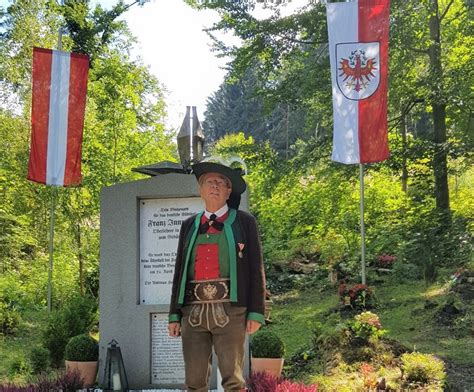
[{"x": 385, "y": 260}]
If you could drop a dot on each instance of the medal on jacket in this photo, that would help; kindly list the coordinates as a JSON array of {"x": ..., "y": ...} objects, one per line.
[{"x": 241, "y": 248}]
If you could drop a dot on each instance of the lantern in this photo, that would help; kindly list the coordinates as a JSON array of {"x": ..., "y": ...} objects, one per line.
[{"x": 115, "y": 378}]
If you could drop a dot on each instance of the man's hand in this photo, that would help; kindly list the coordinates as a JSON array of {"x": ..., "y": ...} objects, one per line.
[
  {"x": 174, "y": 329},
  {"x": 252, "y": 326}
]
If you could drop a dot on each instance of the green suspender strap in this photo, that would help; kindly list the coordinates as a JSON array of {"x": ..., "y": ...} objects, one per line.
[
  {"x": 232, "y": 254},
  {"x": 182, "y": 286}
]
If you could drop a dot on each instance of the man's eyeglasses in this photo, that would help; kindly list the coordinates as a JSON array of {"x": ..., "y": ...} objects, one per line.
[{"x": 216, "y": 183}]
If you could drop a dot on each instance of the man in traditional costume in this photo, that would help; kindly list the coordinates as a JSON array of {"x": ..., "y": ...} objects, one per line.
[{"x": 219, "y": 282}]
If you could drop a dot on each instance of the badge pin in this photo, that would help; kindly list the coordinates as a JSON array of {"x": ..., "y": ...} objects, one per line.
[{"x": 241, "y": 248}]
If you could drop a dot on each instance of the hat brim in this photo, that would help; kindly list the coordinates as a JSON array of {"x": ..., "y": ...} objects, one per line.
[{"x": 238, "y": 183}]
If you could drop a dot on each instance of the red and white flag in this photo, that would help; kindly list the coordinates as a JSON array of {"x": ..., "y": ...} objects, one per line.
[
  {"x": 358, "y": 45},
  {"x": 57, "y": 116}
]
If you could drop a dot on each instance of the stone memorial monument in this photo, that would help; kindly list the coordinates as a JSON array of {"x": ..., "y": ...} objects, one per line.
[{"x": 139, "y": 226}]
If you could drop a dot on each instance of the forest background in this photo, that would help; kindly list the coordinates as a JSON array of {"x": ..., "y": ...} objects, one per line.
[{"x": 274, "y": 110}]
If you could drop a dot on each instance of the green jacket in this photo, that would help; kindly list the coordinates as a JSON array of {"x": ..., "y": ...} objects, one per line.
[{"x": 246, "y": 273}]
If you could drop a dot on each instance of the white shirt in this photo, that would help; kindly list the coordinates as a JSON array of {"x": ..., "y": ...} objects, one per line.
[{"x": 221, "y": 211}]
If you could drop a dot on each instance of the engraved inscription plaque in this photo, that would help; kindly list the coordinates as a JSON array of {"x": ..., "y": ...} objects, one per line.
[
  {"x": 160, "y": 223},
  {"x": 167, "y": 363}
]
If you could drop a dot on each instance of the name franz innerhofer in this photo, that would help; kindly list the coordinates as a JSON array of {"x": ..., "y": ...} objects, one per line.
[{"x": 164, "y": 223}]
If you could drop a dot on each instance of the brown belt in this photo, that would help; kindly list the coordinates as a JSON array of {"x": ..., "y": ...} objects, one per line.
[{"x": 207, "y": 291}]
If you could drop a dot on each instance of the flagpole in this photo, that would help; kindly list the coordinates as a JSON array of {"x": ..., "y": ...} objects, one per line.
[
  {"x": 362, "y": 223},
  {"x": 51, "y": 247}
]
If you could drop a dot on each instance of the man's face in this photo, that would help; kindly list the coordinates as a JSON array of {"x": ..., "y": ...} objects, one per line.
[{"x": 215, "y": 189}]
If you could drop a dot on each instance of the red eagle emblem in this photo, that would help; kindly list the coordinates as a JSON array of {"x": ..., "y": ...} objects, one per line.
[{"x": 357, "y": 70}]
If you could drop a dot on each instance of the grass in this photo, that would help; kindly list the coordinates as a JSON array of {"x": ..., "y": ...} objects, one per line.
[
  {"x": 413, "y": 323},
  {"x": 19, "y": 346},
  {"x": 295, "y": 314},
  {"x": 406, "y": 310}
]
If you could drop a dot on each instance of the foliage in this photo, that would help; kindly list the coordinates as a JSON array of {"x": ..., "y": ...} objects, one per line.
[
  {"x": 301, "y": 361},
  {"x": 77, "y": 317},
  {"x": 12, "y": 291},
  {"x": 19, "y": 366},
  {"x": 366, "y": 325},
  {"x": 359, "y": 296},
  {"x": 262, "y": 162},
  {"x": 405, "y": 272},
  {"x": 266, "y": 344},
  {"x": 264, "y": 382},
  {"x": 370, "y": 381},
  {"x": 238, "y": 107},
  {"x": 422, "y": 368},
  {"x": 429, "y": 62},
  {"x": 9, "y": 319},
  {"x": 81, "y": 348},
  {"x": 430, "y": 244},
  {"x": 39, "y": 359},
  {"x": 91, "y": 33},
  {"x": 124, "y": 128},
  {"x": 407, "y": 311},
  {"x": 386, "y": 261},
  {"x": 69, "y": 382},
  {"x": 430, "y": 123},
  {"x": 66, "y": 382}
]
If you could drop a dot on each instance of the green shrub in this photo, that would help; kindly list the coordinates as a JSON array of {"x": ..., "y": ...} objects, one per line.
[
  {"x": 422, "y": 368},
  {"x": 39, "y": 359},
  {"x": 405, "y": 272},
  {"x": 265, "y": 344},
  {"x": 12, "y": 292},
  {"x": 366, "y": 326},
  {"x": 82, "y": 348},
  {"x": 19, "y": 366},
  {"x": 9, "y": 320},
  {"x": 77, "y": 317}
]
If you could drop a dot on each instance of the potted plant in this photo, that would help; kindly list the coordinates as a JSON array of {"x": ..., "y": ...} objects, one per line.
[
  {"x": 82, "y": 354},
  {"x": 267, "y": 350}
]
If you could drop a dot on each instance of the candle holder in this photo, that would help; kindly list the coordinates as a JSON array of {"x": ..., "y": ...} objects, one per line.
[{"x": 115, "y": 378}]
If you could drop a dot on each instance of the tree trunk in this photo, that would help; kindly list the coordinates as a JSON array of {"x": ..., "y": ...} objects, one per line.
[
  {"x": 438, "y": 104},
  {"x": 80, "y": 257},
  {"x": 403, "y": 132}
]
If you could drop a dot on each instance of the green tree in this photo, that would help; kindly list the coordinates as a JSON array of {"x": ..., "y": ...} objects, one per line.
[
  {"x": 430, "y": 49},
  {"x": 238, "y": 107},
  {"x": 124, "y": 128}
]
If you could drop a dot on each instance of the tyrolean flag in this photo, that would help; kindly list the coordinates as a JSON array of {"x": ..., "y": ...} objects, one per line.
[{"x": 358, "y": 44}]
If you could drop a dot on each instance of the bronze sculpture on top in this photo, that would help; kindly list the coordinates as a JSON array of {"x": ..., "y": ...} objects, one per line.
[{"x": 190, "y": 139}]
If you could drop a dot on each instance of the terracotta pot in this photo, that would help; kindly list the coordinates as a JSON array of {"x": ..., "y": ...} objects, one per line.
[
  {"x": 87, "y": 370},
  {"x": 272, "y": 366}
]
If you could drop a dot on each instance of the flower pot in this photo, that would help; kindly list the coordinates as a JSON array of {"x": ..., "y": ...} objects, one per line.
[
  {"x": 272, "y": 366},
  {"x": 87, "y": 370}
]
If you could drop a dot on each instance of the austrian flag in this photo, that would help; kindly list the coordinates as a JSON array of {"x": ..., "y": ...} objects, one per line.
[
  {"x": 57, "y": 116},
  {"x": 358, "y": 44}
]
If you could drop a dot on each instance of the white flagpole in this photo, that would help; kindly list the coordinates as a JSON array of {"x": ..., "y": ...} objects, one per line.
[
  {"x": 51, "y": 248},
  {"x": 362, "y": 223}
]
